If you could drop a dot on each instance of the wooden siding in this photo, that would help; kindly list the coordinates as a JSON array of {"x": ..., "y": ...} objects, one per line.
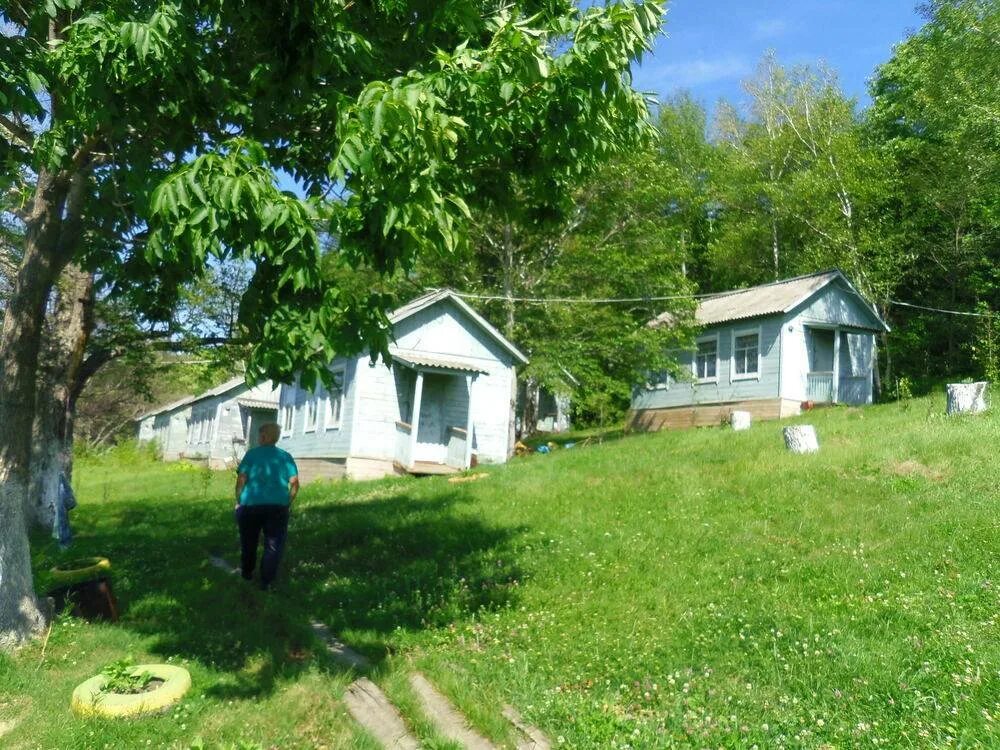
[
  {"x": 443, "y": 330},
  {"x": 223, "y": 440},
  {"x": 857, "y": 349},
  {"x": 326, "y": 441},
  {"x": 376, "y": 397},
  {"x": 835, "y": 304},
  {"x": 709, "y": 415},
  {"x": 726, "y": 389}
]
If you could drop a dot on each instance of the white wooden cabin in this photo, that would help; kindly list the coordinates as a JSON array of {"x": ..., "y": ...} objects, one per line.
[
  {"x": 769, "y": 350},
  {"x": 445, "y": 399},
  {"x": 217, "y": 426}
]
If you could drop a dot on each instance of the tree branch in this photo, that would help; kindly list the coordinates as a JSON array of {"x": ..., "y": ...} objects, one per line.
[{"x": 18, "y": 131}]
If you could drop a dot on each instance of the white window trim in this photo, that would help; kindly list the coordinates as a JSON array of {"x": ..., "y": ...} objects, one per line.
[
  {"x": 732, "y": 354},
  {"x": 285, "y": 414},
  {"x": 694, "y": 359},
  {"x": 660, "y": 385},
  {"x": 307, "y": 426},
  {"x": 340, "y": 374}
]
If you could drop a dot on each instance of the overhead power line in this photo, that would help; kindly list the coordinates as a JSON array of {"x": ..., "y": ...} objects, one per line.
[
  {"x": 940, "y": 310},
  {"x": 576, "y": 300},
  {"x": 666, "y": 298}
]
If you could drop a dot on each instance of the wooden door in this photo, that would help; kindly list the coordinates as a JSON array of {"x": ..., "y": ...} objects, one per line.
[{"x": 432, "y": 444}]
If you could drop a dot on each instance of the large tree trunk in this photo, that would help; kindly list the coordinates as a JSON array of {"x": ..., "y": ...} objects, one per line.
[
  {"x": 69, "y": 328},
  {"x": 52, "y": 232}
]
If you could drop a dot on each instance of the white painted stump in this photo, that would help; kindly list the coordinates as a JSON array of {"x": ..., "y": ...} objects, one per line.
[
  {"x": 801, "y": 439},
  {"x": 967, "y": 398},
  {"x": 740, "y": 420}
]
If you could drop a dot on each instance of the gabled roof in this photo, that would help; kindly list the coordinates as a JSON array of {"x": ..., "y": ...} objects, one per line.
[
  {"x": 216, "y": 391},
  {"x": 437, "y": 295},
  {"x": 775, "y": 298},
  {"x": 169, "y": 407}
]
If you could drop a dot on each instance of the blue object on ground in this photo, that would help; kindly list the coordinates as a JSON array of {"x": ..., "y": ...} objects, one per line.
[
  {"x": 64, "y": 504},
  {"x": 542, "y": 449},
  {"x": 568, "y": 445}
]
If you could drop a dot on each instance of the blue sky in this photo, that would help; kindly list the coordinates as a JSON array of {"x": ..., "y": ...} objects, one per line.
[{"x": 711, "y": 45}]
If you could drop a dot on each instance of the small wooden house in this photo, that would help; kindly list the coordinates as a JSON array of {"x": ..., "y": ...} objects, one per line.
[
  {"x": 768, "y": 350},
  {"x": 167, "y": 426},
  {"x": 446, "y": 396},
  {"x": 217, "y": 426}
]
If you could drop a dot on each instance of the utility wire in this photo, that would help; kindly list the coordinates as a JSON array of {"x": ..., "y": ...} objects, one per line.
[
  {"x": 576, "y": 300},
  {"x": 939, "y": 310},
  {"x": 627, "y": 300}
]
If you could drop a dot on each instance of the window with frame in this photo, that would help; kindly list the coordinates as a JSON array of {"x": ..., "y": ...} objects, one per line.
[
  {"x": 658, "y": 380},
  {"x": 746, "y": 355},
  {"x": 286, "y": 420},
  {"x": 335, "y": 402},
  {"x": 312, "y": 413},
  {"x": 706, "y": 359}
]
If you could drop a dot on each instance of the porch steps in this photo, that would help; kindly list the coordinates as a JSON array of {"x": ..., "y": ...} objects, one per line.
[{"x": 425, "y": 469}]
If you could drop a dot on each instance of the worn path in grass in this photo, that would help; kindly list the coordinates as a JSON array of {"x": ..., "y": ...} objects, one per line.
[
  {"x": 370, "y": 707},
  {"x": 690, "y": 589}
]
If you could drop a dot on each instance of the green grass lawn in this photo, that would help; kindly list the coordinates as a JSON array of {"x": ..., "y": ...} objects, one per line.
[{"x": 683, "y": 589}]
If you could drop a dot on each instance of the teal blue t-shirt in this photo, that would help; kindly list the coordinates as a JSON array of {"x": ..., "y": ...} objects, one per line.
[{"x": 268, "y": 470}]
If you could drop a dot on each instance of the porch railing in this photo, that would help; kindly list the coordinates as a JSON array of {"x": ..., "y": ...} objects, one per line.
[
  {"x": 853, "y": 389},
  {"x": 819, "y": 386},
  {"x": 458, "y": 440},
  {"x": 404, "y": 444}
]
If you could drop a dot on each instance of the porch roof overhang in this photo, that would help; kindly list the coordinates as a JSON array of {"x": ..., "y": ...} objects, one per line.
[
  {"x": 422, "y": 361},
  {"x": 256, "y": 403}
]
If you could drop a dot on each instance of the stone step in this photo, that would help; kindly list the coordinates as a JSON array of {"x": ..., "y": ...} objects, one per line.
[
  {"x": 529, "y": 737},
  {"x": 372, "y": 710}
]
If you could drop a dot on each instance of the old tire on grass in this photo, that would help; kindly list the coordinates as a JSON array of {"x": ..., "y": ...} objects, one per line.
[
  {"x": 82, "y": 569},
  {"x": 88, "y": 700}
]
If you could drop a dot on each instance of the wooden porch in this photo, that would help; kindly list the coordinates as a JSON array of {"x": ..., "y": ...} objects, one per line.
[{"x": 425, "y": 469}]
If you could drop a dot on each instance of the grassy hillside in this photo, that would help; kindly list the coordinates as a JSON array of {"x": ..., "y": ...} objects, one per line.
[{"x": 686, "y": 589}]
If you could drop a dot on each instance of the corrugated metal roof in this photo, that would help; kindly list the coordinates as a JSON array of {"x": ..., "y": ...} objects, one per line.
[
  {"x": 257, "y": 403},
  {"x": 766, "y": 299},
  {"x": 216, "y": 391},
  {"x": 169, "y": 407},
  {"x": 422, "y": 359}
]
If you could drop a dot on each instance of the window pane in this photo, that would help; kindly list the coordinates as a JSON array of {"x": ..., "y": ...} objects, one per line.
[{"x": 746, "y": 353}]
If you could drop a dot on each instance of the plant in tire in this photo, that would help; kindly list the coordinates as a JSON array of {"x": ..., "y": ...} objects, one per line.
[{"x": 121, "y": 677}]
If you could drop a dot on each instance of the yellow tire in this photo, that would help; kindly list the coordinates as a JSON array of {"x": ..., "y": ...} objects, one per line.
[
  {"x": 88, "y": 700},
  {"x": 83, "y": 569}
]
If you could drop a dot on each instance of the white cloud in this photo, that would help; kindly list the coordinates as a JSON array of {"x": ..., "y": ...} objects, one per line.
[{"x": 696, "y": 72}]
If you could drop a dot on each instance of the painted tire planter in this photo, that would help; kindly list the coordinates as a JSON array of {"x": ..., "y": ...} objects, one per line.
[
  {"x": 88, "y": 700},
  {"x": 83, "y": 569}
]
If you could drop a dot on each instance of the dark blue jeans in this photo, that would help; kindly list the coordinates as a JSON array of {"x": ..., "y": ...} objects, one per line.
[{"x": 272, "y": 520}]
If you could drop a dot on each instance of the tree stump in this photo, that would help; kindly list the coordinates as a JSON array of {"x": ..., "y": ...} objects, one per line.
[
  {"x": 801, "y": 439},
  {"x": 967, "y": 398},
  {"x": 740, "y": 420}
]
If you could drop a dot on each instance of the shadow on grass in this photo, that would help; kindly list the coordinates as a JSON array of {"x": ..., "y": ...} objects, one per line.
[{"x": 367, "y": 569}]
